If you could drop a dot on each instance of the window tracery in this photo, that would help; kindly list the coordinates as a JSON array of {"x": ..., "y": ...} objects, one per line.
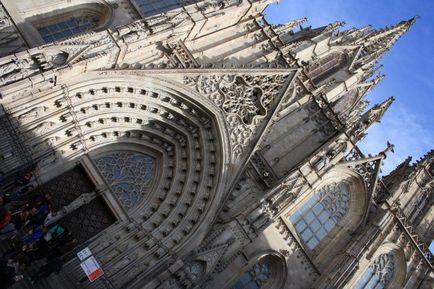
[
  {"x": 325, "y": 67},
  {"x": 129, "y": 174},
  {"x": 150, "y": 7},
  {"x": 379, "y": 274},
  {"x": 321, "y": 213},
  {"x": 254, "y": 278},
  {"x": 65, "y": 28}
]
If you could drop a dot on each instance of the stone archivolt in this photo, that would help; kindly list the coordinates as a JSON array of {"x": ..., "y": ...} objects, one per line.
[{"x": 182, "y": 134}]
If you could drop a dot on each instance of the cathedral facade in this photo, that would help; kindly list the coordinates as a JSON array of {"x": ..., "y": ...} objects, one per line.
[{"x": 191, "y": 144}]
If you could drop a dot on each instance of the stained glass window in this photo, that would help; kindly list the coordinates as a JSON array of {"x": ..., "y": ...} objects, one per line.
[
  {"x": 68, "y": 27},
  {"x": 379, "y": 274},
  {"x": 255, "y": 278},
  {"x": 152, "y": 7},
  {"x": 129, "y": 174},
  {"x": 320, "y": 214}
]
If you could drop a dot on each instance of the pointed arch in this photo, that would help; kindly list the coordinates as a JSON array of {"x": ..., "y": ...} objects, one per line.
[
  {"x": 325, "y": 67},
  {"x": 386, "y": 269},
  {"x": 325, "y": 218},
  {"x": 62, "y": 23},
  {"x": 267, "y": 271}
]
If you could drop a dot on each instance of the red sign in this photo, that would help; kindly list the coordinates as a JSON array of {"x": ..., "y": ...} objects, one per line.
[{"x": 92, "y": 269}]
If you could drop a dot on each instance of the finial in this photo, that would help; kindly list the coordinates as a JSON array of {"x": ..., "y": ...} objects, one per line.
[
  {"x": 333, "y": 26},
  {"x": 289, "y": 26},
  {"x": 389, "y": 149}
]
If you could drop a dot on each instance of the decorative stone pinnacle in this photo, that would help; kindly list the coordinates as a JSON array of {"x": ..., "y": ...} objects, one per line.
[
  {"x": 290, "y": 25},
  {"x": 333, "y": 26},
  {"x": 370, "y": 117}
]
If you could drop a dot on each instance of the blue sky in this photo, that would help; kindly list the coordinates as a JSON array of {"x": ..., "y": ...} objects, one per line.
[{"x": 409, "y": 67}]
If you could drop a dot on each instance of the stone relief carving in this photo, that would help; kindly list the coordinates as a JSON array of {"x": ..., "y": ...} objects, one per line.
[
  {"x": 33, "y": 113},
  {"x": 46, "y": 144},
  {"x": 181, "y": 57},
  {"x": 40, "y": 129},
  {"x": 216, "y": 5},
  {"x": 4, "y": 22},
  {"x": 261, "y": 216},
  {"x": 244, "y": 99},
  {"x": 330, "y": 155},
  {"x": 133, "y": 32},
  {"x": 48, "y": 160},
  {"x": 17, "y": 69},
  {"x": 10, "y": 40},
  {"x": 166, "y": 20}
]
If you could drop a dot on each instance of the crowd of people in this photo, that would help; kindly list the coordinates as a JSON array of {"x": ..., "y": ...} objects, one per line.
[{"x": 25, "y": 224}]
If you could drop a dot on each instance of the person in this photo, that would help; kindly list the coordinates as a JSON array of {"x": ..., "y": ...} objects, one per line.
[
  {"x": 54, "y": 265},
  {"x": 24, "y": 180},
  {"x": 17, "y": 194},
  {"x": 2, "y": 179},
  {"x": 5, "y": 217},
  {"x": 38, "y": 214},
  {"x": 51, "y": 216},
  {"x": 7, "y": 274},
  {"x": 8, "y": 231},
  {"x": 20, "y": 217}
]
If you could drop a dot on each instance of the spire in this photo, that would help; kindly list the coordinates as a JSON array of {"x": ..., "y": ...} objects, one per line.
[
  {"x": 367, "y": 87},
  {"x": 426, "y": 159},
  {"x": 371, "y": 71},
  {"x": 376, "y": 43},
  {"x": 333, "y": 26},
  {"x": 398, "y": 174},
  {"x": 288, "y": 27},
  {"x": 358, "y": 131}
]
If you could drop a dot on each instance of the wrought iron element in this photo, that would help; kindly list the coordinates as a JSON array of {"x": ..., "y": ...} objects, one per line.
[{"x": 129, "y": 175}]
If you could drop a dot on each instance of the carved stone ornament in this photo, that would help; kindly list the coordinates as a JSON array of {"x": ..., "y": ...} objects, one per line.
[
  {"x": 244, "y": 99},
  {"x": 133, "y": 32},
  {"x": 16, "y": 70}
]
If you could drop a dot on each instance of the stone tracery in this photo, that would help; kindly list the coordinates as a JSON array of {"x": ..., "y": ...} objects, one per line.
[
  {"x": 129, "y": 174},
  {"x": 244, "y": 99}
]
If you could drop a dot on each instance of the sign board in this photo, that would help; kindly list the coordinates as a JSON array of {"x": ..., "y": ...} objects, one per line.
[
  {"x": 84, "y": 254},
  {"x": 92, "y": 269}
]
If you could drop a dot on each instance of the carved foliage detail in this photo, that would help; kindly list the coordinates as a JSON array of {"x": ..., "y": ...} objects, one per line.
[{"x": 244, "y": 99}]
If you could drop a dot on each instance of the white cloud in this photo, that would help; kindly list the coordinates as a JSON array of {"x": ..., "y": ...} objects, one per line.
[{"x": 403, "y": 128}]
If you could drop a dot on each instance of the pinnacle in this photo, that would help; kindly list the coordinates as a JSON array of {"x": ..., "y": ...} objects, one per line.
[
  {"x": 374, "y": 43},
  {"x": 429, "y": 156},
  {"x": 289, "y": 26},
  {"x": 373, "y": 115},
  {"x": 384, "y": 106},
  {"x": 333, "y": 26}
]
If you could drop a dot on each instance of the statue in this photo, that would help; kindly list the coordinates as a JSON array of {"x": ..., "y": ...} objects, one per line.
[
  {"x": 16, "y": 70},
  {"x": 33, "y": 113},
  {"x": 134, "y": 32},
  {"x": 4, "y": 23}
]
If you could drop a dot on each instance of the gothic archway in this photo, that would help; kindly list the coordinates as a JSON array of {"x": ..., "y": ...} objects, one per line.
[
  {"x": 325, "y": 218},
  {"x": 386, "y": 269},
  {"x": 265, "y": 272},
  {"x": 112, "y": 116}
]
